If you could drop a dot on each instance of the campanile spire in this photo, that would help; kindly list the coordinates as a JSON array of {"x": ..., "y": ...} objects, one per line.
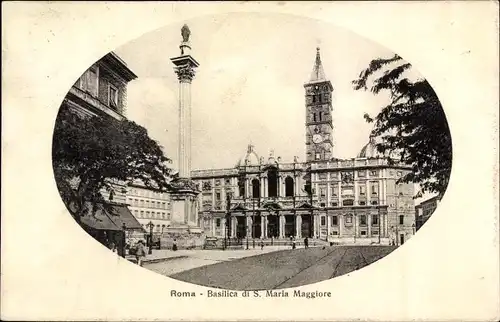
[{"x": 318, "y": 74}]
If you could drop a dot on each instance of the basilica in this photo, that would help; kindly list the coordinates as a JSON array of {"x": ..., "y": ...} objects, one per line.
[{"x": 342, "y": 201}]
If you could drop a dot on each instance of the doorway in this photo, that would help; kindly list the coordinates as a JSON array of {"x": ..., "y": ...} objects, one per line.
[{"x": 401, "y": 239}]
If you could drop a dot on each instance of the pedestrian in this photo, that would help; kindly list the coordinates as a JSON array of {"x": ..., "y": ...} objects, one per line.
[
  {"x": 140, "y": 252},
  {"x": 174, "y": 246},
  {"x": 293, "y": 243},
  {"x": 306, "y": 242},
  {"x": 261, "y": 244}
]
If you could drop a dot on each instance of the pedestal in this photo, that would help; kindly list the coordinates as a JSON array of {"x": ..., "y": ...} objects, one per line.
[{"x": 184, "y": 218}]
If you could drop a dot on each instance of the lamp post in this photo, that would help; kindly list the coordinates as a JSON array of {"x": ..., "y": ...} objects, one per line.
[
  {"x": 253, "y": 223},
  {"x": 150, "y": 226},
  {"x": 124, "y": 240},
  {"x": 246, "y": 229},
  {"x": 379, "y": 225},
  {"x": 228, "y": 219}
]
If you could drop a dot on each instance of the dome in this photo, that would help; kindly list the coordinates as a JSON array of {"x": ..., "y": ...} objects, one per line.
[
  {"x": 369, "y": 150},
  {"x": 249, "y": 159}
]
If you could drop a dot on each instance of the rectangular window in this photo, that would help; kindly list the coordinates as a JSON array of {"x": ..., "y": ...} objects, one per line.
[
  {"x": 374, "y": 220},
  {"x": 374, "y": 202},
  {"x": 373, "y": 173},
  {"x": 362, "y": 203},
  {"x": 348, "y": 202},
  {"x": 362, "y": 220},
  {"x": 335, "y": 233},
  {"x": 323, "y": 221},
  {"x": 363, "y": 233},
  {"x": 147, "y": 203},
  {"x": 92, "y": 81},
  {"x": 217, "y": 196},
  {"x": 375, "y": 232},
  {"x": 348, "y": 219},
  {"x": 113, "y": 97},
  {"x": 374, "y": 188},
  {"x": 217, "y": 222},
  {"x": 147, "y": 214},
  {"x": 334, "y": 204},
  {"x": 142, "y": 213},
  {"x": 362, "y": 190},
  {"x": 334, "y": 221},
  {"x": 335, "y": 190},
  {"x": 168, "y": 216},
  {"x": 323, "y": 204},
  {"x": 322, "y": 192},
  {"x": 164, "y": 206},
  {"x": 401, "y": 219},
  {"x": 361, "y": 174}
]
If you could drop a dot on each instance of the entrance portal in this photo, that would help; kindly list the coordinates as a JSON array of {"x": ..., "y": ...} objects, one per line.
[
  {"x": 241, "y": 231},
  {"x": 256, "y": 226},
  {"x": 290, "y": 226},
  {"x": 401, "y": 239},
  {"x": 307, "y": 225},
  {"x": 272, "y": 226}
]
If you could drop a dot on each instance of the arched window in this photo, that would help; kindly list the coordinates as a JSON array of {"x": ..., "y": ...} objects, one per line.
[
  {"x": 272, "y": 179},
  {"x": 255, "y": 188},
  {"x": 289, "y": 187}
]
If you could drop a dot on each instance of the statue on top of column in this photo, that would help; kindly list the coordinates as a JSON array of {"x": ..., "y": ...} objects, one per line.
[{"x": 185, "y": 32}]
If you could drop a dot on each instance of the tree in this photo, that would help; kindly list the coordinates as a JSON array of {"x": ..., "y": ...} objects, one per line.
[
  {"x": 89, "y": 154},
  {"x": 412, "y": 128}
]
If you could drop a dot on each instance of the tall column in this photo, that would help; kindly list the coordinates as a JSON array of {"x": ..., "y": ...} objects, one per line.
[
  {"x": 298, "y": 226},
  {"x": 184, "y": 212},
  {"x": 315, "y": 225},
  {"x": 214, "y": 224},
  {"x": 262, "y": 226},
  {"x": 369, "y": 222},
  {"x": 249, "y": 226},
  {"x": 262, "y": 187},
  {"x": 281, "y": 227},
  {"x": 223, "y": 227},
  {"x": 328, "y": 225}
]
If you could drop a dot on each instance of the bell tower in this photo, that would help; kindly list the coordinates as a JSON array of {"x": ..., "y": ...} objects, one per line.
[{"x": 319, "y": 124}]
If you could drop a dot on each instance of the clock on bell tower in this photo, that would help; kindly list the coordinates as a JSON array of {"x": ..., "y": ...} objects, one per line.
[{"x": 319, "y": 124}]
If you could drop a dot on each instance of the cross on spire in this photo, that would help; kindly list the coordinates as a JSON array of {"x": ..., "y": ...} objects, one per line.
[{"x": 318, "y": 74}]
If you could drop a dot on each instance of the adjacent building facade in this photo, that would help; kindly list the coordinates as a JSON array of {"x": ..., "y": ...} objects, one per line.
[
  {"x": 343, "y": 201},
  {"x": 102, "y": 91},
  {"x": 149, "y": 206},
  {"x": 424, "y": 210}
]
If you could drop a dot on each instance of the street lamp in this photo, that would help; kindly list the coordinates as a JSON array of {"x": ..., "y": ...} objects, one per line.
[
  {"x": 150, "y": 225},
  {"x": 228, "y": 218},
  {"x": 246, "y": 228},
  {"x": 253, "y": 223}
]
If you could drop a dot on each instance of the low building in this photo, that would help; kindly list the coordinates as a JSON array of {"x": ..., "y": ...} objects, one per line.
[
  {"x": 424, "y": 210},
  {"x": 149, "y": 206}
]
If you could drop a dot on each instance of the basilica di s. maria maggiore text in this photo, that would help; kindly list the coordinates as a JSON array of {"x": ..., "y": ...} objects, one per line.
[{"x": 342, "y": 201}]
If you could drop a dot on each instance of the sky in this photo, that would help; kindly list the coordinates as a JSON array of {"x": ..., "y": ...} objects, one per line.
[{"x": 249, "y": 85}]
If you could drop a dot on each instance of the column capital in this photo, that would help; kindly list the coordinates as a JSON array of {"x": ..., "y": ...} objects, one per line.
[{"x": 185, "y": 73}]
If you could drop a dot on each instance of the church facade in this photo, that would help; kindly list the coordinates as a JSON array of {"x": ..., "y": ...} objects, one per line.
[{"x": 345, "y": 201}]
